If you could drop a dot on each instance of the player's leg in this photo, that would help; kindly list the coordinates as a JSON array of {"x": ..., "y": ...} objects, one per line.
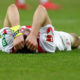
[
  {"x": 40, "y": 17},
  {"x": 76, "y": 41},
  {"x": 12, "y": 16}
]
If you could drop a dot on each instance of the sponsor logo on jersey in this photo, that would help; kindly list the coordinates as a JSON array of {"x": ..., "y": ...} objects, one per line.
[{"x": 4, "y": 42}]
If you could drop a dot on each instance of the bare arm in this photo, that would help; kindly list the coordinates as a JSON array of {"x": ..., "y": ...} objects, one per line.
[{"x": 40, "y": 19}]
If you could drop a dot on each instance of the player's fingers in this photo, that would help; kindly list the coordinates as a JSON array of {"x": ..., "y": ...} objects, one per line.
[
  {"x": 32, "y": 47},
  {"x": 22, "y": 45},
  {"x": 29, "y": 46},
  {"x": 27, "y": 43},
  {"x": 17, "y": 47}
]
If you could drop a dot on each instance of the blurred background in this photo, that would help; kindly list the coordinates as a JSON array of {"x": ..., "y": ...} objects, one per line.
[{"x": 67, "y": 18}]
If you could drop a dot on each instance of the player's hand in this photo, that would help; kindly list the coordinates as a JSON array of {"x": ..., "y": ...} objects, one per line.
[
  {"x": 18, "y": 43},
  {"x": 31, "y": 42}
]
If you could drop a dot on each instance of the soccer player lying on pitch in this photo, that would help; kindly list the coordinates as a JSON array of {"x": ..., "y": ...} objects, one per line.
[{"x": 41, "y": 37}]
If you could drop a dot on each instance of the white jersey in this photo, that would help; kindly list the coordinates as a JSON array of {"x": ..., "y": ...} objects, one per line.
[
  {"x": 63, "y": 41},
  {"x": 51, "y": 40},
  {"x": 6, "y": 40},
  {"x": 48, "y": 39}
]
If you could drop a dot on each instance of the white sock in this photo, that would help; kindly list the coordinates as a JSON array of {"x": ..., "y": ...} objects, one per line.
[
  {"x": 21, "y": 1},
  {"x": 43, "y": 1}
]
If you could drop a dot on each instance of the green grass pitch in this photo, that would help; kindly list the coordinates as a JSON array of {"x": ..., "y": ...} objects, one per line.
[{"x": 58, "y": 66}]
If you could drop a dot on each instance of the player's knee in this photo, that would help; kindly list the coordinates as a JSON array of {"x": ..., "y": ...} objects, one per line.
[
  {"x": 12, "y": 6},
  {"x": 42, "y": 8}
]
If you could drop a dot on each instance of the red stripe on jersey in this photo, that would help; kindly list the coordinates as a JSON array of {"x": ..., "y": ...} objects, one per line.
[
  {"x": 28, "y": 26},
  {"x": 22, "y": 28},
  {"x": 49, "y": 29},
  {"x": 39, "y": 47},
  {"x": 49, "y": 38},
  {"x": 5, "y": 31}
]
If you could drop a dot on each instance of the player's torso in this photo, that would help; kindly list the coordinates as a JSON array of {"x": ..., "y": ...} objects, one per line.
[{"x": 45, "y": 38}]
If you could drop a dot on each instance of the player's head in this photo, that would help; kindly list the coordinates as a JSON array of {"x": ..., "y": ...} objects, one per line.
[{"x": 25, "y": 50}]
